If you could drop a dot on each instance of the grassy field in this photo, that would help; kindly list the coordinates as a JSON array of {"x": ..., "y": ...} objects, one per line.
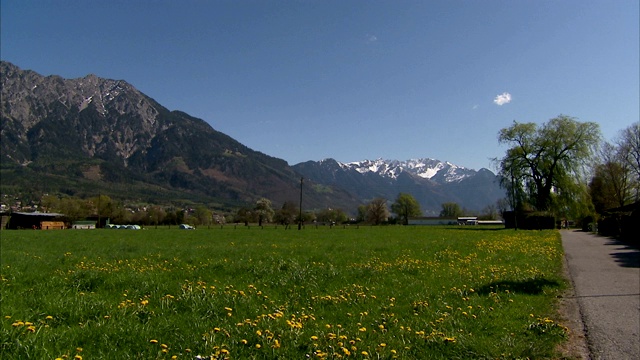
[{"x": 368, "y": 292}]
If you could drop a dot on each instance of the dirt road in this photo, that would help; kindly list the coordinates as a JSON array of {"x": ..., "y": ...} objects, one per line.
[{"x": 606, "y": 278}]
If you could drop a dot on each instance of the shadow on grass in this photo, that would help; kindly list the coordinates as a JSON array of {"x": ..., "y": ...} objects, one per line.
[{"x": 529, "y": 287}]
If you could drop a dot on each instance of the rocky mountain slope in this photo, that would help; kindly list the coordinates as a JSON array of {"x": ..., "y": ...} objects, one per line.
[{"x": 90, "y": 136}]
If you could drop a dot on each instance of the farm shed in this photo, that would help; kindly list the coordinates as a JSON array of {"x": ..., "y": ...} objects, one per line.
[
  {"x": 34, "y": 220},
  {"x": 468, "y": 220},
  {"x": 431, "y": 221},
  {"x": 84, "y": 225},
  {"x": 52, "y": 225}
]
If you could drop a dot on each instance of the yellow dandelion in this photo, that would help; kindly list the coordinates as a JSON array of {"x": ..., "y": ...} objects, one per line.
[
  {"x": 228, "y": 309},
  {"x": 244, "y": 341},
  {"x": 364, "y": 353},
  {"x": 314, "y": 338},
  {"x": 258, "y": 346},
  {"x": 49, "y": 317},
  {"x": 153, "y": 341},
  {"x": 77, "y": 357},
  {"x": 164, "y": 346}
]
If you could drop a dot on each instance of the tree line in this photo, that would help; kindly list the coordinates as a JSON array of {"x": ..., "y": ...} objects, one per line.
[
  {"x": 562, "y": 168},
  {"x": 375, "y": 212}
]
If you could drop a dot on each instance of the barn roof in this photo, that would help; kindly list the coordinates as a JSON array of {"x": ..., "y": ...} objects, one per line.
[{"x": 38, "y": 213}]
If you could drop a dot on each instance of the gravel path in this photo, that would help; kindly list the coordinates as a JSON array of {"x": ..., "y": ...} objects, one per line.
[{"x": 606, "y": 279}]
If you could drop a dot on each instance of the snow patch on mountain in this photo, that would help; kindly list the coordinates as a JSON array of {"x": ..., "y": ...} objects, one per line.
[{"x": 427, "y": 168}]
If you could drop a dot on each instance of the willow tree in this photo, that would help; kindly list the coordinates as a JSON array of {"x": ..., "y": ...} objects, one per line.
[
  {"x": 545, "y": 164},
  {"x": 406, "y": 206}
]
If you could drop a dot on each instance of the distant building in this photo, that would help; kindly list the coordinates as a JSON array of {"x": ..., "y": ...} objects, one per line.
[
  {"x": 52, "y": 225},
  {"x": 431, "y": 221},
  {"x": 35, "y": 220},
  {"x": 468, "y": 220},
  {"x": 84, "y": 225}
]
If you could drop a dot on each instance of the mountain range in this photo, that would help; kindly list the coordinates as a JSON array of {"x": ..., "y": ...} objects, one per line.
[{"x": 91, "y": 135}]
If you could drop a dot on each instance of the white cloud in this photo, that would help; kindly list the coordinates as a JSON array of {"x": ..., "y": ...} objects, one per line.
[
  {"x": 371, "y": 38},
  {"x": 502, "y": 99},
  {"x": 474, "y": 107}
]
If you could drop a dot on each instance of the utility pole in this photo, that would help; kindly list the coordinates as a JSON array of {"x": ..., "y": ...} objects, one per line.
[
  {"x": 300, "y": 214},
  {"x": 97, "y": 227}
]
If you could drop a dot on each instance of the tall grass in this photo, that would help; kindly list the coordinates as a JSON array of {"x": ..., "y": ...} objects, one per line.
[{"x": 371, "y": 292}]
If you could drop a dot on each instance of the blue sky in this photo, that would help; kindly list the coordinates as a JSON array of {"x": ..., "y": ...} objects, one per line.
[{"x": 350, "y": 80}]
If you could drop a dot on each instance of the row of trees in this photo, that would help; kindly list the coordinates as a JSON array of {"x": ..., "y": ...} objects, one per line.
[
  {"x": 375, "y": 212},
  {"x": 564, "y": 169},
  {"x": 561, "y": 168}
]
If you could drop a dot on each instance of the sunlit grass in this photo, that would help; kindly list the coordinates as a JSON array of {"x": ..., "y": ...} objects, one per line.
[{"x": 368, "y": 292}]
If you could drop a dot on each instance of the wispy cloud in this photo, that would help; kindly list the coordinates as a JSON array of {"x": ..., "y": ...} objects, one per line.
[
  {"x": 371, "y": 38},
  {"x": 474, "y": 107},
  {"x": 502, "y": 99}
]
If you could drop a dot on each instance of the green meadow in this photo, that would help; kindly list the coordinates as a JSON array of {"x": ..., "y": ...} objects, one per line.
[{"x": 270, "y": 293}]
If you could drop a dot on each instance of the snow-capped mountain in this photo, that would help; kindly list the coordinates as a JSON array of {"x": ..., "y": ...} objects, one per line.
[
  {"x": 432, "y": 182},
  {"x": 432, "y": 169}
]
